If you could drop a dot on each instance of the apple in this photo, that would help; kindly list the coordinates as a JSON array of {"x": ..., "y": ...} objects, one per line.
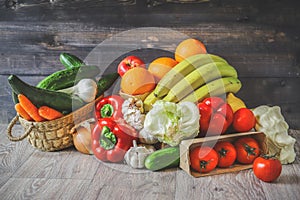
[
  {"x": 128, "y": 63},
  {"x": 243, "y": 120}
]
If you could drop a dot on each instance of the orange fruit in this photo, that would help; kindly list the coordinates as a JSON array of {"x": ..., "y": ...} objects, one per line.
[
  {"x": 160, "y": 66},
  {"x": 189, "y": 47},
  {"x": 137, "y": 80}
]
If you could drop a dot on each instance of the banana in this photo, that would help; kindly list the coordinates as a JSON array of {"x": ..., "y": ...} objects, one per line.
[
  {"x": 181, "y": 70},
  {"x": 215, "y": 88},
  {"x": 149, "y": 101},
  {"x": 198, "y": 77}
]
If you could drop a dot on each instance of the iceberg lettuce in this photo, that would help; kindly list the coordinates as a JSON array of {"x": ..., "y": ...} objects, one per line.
[{"x": 171, "y": 123}]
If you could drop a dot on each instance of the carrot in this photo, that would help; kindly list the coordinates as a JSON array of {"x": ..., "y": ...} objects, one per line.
[
  {"x": 20, "y": 110},
  {"x": 49, "y": 113},
  {"x": 30, "y": 108}
]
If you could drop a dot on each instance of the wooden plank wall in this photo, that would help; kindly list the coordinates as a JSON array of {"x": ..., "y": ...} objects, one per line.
[{"x": 260, "y": 39}]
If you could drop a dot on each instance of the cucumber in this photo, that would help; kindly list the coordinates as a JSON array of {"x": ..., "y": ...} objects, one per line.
[
  {"x": 163, "y": 158},
  {"x": 68, "y": 77},
  {"x": 105, "y": 82},
  {"x": 42, "y": 97},
  {"x": 70, "y": 61}
]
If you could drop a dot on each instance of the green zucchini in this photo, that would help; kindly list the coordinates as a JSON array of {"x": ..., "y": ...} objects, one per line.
[
  {"x": 70, "y": 61},
  {"x": 105, "y": 82},
  {"x": 14, "y": 97},
  {"x": 163, "y": 158},
  {"x": 68, "y": 77},
  {"x": 42, "y": 97}
]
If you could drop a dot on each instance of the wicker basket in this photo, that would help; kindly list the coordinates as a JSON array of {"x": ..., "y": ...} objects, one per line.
[{"x": 55, "y": 134}]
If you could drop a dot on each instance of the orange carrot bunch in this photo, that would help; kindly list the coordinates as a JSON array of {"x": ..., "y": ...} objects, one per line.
[
  {"x": 27, "y": 110},
  {"x": 49, "y": 113},
  {"x": 22, "y": 112}
]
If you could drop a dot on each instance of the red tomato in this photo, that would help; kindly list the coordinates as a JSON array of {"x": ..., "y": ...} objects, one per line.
[
  {"x": 247, "y": 149},
  {"x": 226, "y": 153},
  {"x": 267, "y": 168},
  {"x": 217, "y": 124},
  {"x": 205, "y": 115},
  {"x": 203, "y": 159},
  {"x": 226, "y": 111},
  {"x": 216, "y": 116},
  {"x": 243, "y": 120},
  {"x": 128, "y": 63},
  {"x": 214, "y": 102}
]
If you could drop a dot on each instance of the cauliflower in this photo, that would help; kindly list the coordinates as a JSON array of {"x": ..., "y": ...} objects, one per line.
[
  {"x": 171, "y": 123},
  {"x": 133, "y": 113}
]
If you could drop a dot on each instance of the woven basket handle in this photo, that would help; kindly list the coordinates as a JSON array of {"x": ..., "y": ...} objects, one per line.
[{"x": 9, "y": 130}]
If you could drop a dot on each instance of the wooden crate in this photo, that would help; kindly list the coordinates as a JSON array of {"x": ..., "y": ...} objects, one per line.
[{"x": 186, "y": 145}]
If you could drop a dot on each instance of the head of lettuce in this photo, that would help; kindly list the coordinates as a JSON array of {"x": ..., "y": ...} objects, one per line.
[{"x": 170, "y": 122}]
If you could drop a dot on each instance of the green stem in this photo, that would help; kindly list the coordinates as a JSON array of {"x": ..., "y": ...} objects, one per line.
[
  {"x": 250, "y": 150},
  {"x": 203, "y": 164},
  {"x": 222, "y": 152},
  {"x": 265, "y": 156},
  {"x": 108, "y": 139},
  {"x": 107, "y": 110},
  {"x": 69, "y": 90}
]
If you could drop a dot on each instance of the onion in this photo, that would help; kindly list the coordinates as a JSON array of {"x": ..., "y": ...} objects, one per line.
[{"x": 82, "y": 140}]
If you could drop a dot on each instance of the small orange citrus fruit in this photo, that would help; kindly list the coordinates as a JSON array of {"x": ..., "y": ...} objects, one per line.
[
  {"x": 137, "y": 81},
  {"x": 189, "y": 47},
  {"x": 160, "y": 66}
]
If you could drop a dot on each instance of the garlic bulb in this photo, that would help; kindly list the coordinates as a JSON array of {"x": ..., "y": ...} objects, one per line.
[
  {"x": 146, "y": 137},
  {"x": 136, "y": 155},
  {"x": 85, "y": 89}
]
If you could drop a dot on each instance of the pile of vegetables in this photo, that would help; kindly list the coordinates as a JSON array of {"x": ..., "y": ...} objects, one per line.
[
  {"x": 124, "y": 131},
  {"x": 150, "y": 138}
]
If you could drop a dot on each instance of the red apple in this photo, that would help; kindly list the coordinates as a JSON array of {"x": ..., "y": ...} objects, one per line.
[{"x": 128, "y": 63}]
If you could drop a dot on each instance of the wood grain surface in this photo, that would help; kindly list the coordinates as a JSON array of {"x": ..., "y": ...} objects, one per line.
[
  {"x": 69, "y": 174},
  {"x": 260, "y": 40}
]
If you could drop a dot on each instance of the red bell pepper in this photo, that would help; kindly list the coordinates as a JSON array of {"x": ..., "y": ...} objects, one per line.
[
  {"x": 110, "y": 106},
  {"x": 215, "y": 116},
  {"x": 111, "y": 139}
]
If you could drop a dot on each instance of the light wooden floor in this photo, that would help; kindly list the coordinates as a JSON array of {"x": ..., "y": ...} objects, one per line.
[{"x": 27, "y": 173}]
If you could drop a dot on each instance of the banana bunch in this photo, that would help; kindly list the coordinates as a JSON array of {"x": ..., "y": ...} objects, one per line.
[{"x": 196, "y": 78}]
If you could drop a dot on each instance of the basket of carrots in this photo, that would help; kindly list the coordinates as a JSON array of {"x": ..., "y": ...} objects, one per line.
[
  {"x": 50, "y": 111},
  {"x": 49, "y": 129}
]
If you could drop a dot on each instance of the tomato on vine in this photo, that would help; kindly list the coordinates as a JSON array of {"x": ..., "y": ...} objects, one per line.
[{"x": 203, "y": 159}]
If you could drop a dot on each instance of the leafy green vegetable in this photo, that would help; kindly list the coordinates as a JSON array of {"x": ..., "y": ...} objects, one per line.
[{"x": 171, "y": 122}]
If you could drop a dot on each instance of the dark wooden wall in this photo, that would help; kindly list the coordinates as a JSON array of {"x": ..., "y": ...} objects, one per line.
[{"x": 259, "y": 38}]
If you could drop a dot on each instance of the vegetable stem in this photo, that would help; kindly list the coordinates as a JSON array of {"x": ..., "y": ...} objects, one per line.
[{"x": 107, "y": 139}]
